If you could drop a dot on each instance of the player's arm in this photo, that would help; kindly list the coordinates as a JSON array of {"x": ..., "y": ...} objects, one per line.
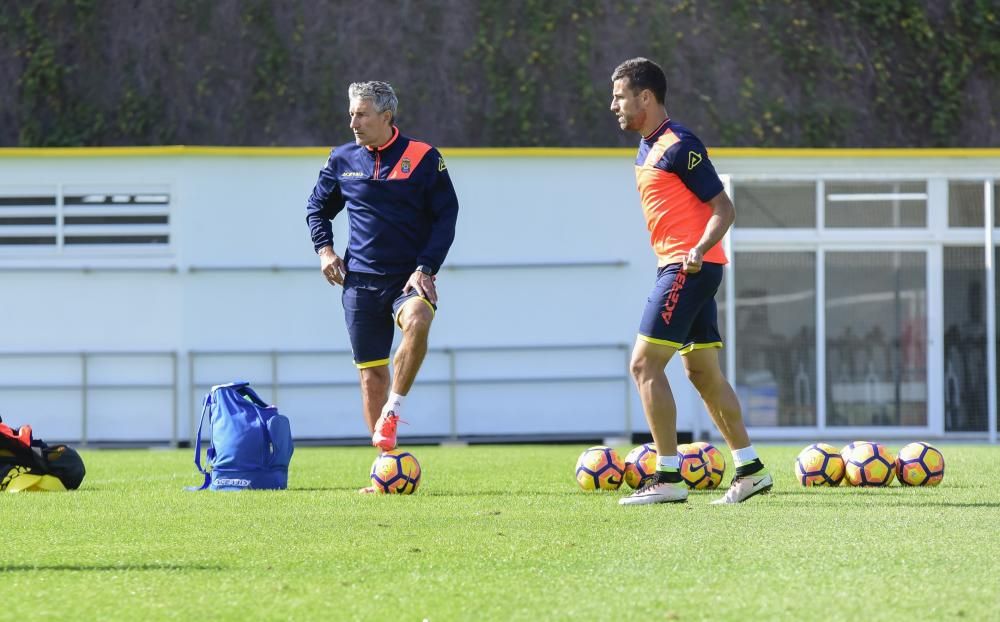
[
  {"x": 325, "y": 202},
  {"x": 442, "y": 203},
  {"x": 688, "y": 159},
  {"x": 723, "y": 216}
]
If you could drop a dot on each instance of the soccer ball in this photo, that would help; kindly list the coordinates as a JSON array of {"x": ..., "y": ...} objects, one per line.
[
  {"x": 600, "y": 468},
  {"x": 869, "y": 464},
  {"x": 695, "y": 466},
  {"x": 716, "y": 463},
  {"x": 920, "y": 464},
  {"x": 819, "y": 464},
  {"x": 396, "y": 472},
  {"x": 640, "y": 465},
  {"x": 845, "y": 454}
]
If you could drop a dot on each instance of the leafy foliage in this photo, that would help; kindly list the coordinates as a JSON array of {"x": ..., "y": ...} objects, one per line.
[{"x": 772, "y": 73}]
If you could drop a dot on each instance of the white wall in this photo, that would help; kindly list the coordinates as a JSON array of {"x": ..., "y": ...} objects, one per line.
[
  {"x": 248, "y": 213},
  {"x": 241, "y": 276}
]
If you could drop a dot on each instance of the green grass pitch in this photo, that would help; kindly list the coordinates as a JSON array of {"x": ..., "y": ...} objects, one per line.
[{"x": 497, "y": 533}]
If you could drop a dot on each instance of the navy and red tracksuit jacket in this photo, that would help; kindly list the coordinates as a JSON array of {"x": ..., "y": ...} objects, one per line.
[{"x": 400, "y": 203}]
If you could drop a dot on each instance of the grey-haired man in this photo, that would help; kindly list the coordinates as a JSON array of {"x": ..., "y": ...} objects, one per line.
[{"x": 402, "y": 210}]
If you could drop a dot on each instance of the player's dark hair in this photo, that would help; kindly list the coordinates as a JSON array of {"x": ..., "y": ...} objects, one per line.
[{"x": 643, "y": 74}]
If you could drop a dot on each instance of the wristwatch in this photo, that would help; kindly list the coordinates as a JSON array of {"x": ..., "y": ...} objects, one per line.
[{"x": 426, "y": 270}]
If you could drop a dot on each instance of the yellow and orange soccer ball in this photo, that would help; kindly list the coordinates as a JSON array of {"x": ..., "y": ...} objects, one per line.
[
  {"x": 716, "y": 463},
  {"x": 640, "y": 465},
  {"x": 819, "y": 464},
  {"x": 600, "y": 468},
  {"x": 695, "y": 466},
  {"x": 396, "y": 472},
  {"x": 919, "y": 464},
  {"x": 869, "y": 464}
]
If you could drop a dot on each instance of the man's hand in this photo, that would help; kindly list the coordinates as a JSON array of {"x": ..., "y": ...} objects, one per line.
[
  {"x": 331, "y": 265},
  {"x": 692, "y": 263},
  {"x": 423, "y": 284}
]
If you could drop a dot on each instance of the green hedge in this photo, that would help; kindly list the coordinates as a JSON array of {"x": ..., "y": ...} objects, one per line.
[{"x": 773, "y": 73}]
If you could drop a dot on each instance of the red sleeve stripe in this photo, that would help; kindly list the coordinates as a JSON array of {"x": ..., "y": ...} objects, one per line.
[{"x": 408, "y": 162}]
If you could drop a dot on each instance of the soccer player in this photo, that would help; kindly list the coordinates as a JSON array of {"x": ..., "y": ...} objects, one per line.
[
  {"x": 402, "y": 209},
  {"x": 687, "y": 212}
]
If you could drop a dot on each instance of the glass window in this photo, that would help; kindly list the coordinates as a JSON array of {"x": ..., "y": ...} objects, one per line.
[
  {"x": 965, "y": 338},
  {"x": 776, "y": 344},
  {"x": 965, "y": 204},
  {"x": 862, "y": 204},
  {"x": 876, "y": 338},
  {"x": 778, "y": 204}
]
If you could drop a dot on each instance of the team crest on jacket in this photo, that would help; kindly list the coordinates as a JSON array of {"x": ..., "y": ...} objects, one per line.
[
  {"x": 404, "y": 165},
  {"x": 441, "y": 165}
]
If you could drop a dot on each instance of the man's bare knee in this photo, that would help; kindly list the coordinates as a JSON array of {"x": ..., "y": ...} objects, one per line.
[
  {"x": 706, "y": 381},
  {"x": 697, "y": 377},
  {"x": 416, "y": 319},
  {"x": 643, "y": 369},
  {"x": 648, "y": 363},
  {"x": 375, "y": 378}
]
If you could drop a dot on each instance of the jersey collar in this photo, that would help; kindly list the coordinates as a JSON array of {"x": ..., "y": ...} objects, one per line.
[
  {"x": 659, "y": 130},
  {"x": 395, "y": 135}
]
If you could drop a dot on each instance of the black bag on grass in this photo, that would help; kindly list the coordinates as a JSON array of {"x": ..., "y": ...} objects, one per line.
[{"x": 31, "y": 464}]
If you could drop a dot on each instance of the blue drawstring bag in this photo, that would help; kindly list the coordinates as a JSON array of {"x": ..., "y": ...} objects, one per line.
[{"x": 251, "y": 443}]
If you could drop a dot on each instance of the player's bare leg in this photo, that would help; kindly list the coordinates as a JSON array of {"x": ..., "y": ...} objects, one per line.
[
  {"x": 702, "y": 367},
  {"x": 374, "y": 390},
  {"x": 414, "y": 318},
  {"x": 648, "y": 369},
  {"x": 703, "y": 370}
]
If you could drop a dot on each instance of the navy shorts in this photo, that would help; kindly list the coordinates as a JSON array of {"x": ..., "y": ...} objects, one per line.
[
  {"x": 681, "y": 312},
  {"x": 371, "y": 302}
]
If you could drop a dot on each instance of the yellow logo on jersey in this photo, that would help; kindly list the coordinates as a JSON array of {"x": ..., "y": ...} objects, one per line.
[
  {"x": 694, "y": 159},
  {"x": 441, "y": 165}
]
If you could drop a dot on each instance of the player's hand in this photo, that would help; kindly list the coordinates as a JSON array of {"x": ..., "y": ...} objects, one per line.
[
  {"x": 332, "y": 267},
  {"x": 692, "y": 263},
  {"x": 423, "y": 284}
]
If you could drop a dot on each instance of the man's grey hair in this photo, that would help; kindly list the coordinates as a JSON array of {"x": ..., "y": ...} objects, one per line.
[{"x": 379, "y": 93}]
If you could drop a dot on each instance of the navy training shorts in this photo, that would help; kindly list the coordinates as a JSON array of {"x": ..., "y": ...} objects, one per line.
[
  {"x": 680, "y": 312},
  {"x": 371, "y": 302}
]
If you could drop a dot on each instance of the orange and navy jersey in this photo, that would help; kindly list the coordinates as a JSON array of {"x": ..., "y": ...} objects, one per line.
[
  {"x": 400, "y": 203},
  {"x": 675, "y": 180}
]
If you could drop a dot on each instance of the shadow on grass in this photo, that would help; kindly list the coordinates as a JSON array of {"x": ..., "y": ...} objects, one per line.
[
  {"x": 893, "y": 491},
  {"x": 323, "y": 489},
  {"x": 105, "y": 567},
  {"x": 912, "y": 502},
  {"x": 508, "y": 494},
  {"x": 890, "y": 500},
  {"x": 470, "y": 493}
]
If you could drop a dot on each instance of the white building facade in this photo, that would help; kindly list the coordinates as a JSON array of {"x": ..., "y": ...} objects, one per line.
[{"x": 861, "y": 300}]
